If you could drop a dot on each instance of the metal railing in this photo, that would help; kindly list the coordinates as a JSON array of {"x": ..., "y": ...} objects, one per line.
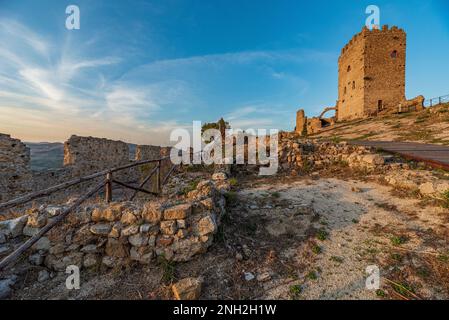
[
  {"x": 436, "y": 101},
  {"x": 106, "y": 183}
]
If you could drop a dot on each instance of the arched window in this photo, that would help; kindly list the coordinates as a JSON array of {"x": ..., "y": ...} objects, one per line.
[
  {"x": 344, "y": 90},
  {"x": 353, "y": 85},
  {"x": 394, "y": 54},
  {"x": 349, "y": 68}
]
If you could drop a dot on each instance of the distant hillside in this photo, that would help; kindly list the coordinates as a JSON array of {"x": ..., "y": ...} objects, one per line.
[{"x": 50, "y": 155}]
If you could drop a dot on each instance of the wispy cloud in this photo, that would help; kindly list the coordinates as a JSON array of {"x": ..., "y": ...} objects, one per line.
[{"x": 58, "y": 85}]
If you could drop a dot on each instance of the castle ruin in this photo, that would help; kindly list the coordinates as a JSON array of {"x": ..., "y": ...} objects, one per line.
[{"x": 371, "y": 80}]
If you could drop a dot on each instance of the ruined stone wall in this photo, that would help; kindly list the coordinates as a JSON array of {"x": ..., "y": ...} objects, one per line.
[
  {"x": 15, "y": 172},
  {"x": 371, "y": 73},
  {"x": 301, "y": 121},
  {"x": 351, "y": 79},
  {"x": 85, "y": 155},
  {"x": 385, "y": 53},
  {"x": 109, "y": 235}
]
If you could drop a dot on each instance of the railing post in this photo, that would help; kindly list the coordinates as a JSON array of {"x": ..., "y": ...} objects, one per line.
[
  {"x": 439, "y": 100},
  {"x": 158, "y": 176},
  {"x": 109, "y": 187}
]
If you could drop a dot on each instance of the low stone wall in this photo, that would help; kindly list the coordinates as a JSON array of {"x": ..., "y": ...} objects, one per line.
[
  {"x": 119, "y": 233},
  {"x": 295, "y": 154},
  {"x": 15, "y": 173}
]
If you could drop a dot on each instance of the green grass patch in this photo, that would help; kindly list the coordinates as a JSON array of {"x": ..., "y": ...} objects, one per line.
[
  {"x": 295, "y": 291},
  {"x": 322, "y": 234},
  {"x": 316, "y": 249},
  {"x": 398, "y": 240},
  {"x": 233, "y": 181},
  {"x": 336, "y": 259},
  {"x": 312, "y": 275}
]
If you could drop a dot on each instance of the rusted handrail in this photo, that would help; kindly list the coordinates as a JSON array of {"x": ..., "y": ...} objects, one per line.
[
  {"x": 25, "y": 246},
  {"x": 46, "y": 192}
]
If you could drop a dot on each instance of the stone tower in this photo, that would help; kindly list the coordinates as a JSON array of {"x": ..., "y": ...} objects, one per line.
[{"x": 371, "y": 73}]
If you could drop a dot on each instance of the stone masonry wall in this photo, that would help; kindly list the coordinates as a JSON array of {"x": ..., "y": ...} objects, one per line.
[
  {"x": 371, "y": 73},
  {"x": 15, "y": 173},
  {"x": 110, "y": 235},
  {"x": 86, "y": 155}
]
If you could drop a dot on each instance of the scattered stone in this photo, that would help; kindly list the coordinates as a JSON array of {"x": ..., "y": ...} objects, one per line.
[
  {"x": 43, "y": 276},
  {"x": 101, "y": 229},
  {"x": 36, "y": 259},
  {"x": 14, "y": 227},
  {"x": 219, "y": 176},
  {"x": 108, "y": 261},
  {"x": 90, "y": 260},
  {"x": 239, "y": 256},
  {"x": 6, "y": 287},
  {"x": 54, "y": 210},
  {"x": 187, "y": 289},
  {"x": 42, "y": 244},
  {"x": 57, "y": 249},
  {"x": 263, "y": 277},
  {"x": 36, "y": 220},
  {"x": 90, "y": 248},
  {"x": 248, "y": 276},
  {"x": 5, "y": 249},
  {"x": 30, "y": 231}
]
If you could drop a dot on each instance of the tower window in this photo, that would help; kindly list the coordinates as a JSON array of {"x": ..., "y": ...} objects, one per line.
[
  {"x": 349, "y": 68},
  {"x": 353, "y": 85},
  {"x": 394, "y": 54},
  {"x": 344, "y": 90}
]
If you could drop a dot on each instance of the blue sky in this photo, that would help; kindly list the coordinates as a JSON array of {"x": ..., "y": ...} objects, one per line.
[{"x": 137, "y": 69}]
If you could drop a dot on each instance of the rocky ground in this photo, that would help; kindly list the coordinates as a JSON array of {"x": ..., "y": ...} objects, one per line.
[
  {"x": 309, "y": 236},
  {"x": 428, "y": 126}
]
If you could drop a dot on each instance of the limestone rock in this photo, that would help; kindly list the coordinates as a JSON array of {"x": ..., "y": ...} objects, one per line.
[
  {"x": 207, "y": 225},
  {"x": 168, "y": 227},
  {"x": 138, "y": 240},
  {"x": 100, "y": 229},
  {"x": 427, "y": 188},
  {"x": 129, "y": 231},
  {"x": 152, "y": 213},
  {"x": 90, "y": 260},
  {"x": 43, "y": 276},
  {"x": 42, "y": 244},
  {"x": 178, "y": 212},
  {"x": 30, "y": 231},
  {"x": 115, "y": 248},
  {"x": 128, "y": 218},
  {"x": 187, "y": 289},
  {"x": 14, "y": 227}
]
